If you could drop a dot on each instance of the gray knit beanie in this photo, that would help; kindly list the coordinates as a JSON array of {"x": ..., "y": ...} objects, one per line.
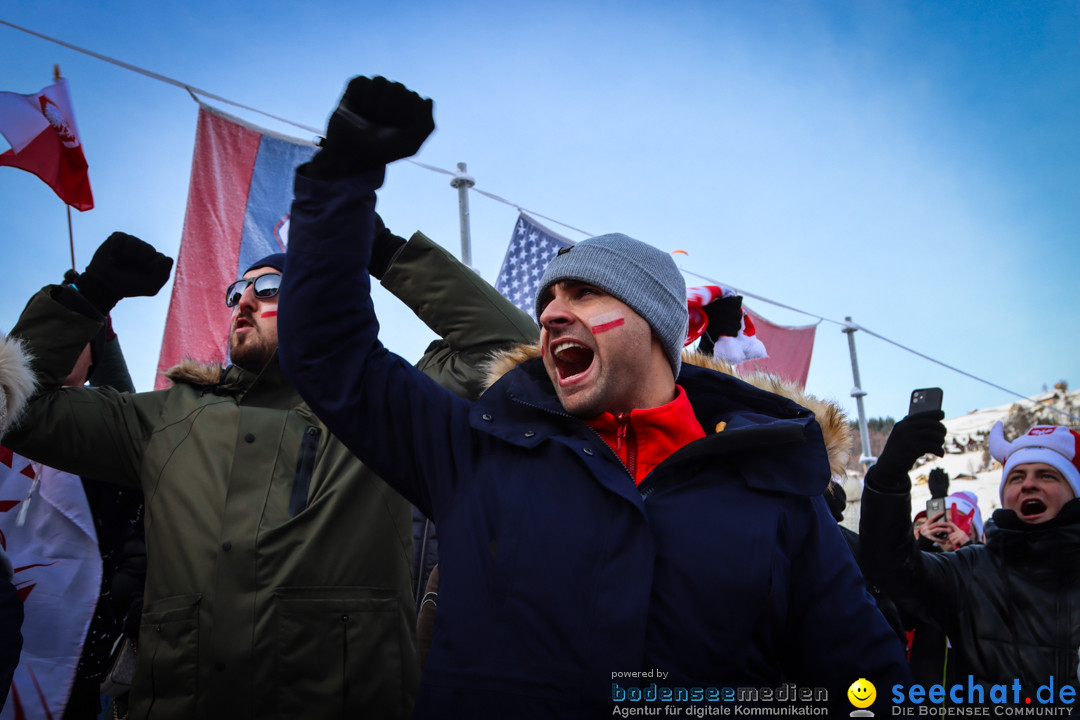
[{"x": 641, "y": 276}]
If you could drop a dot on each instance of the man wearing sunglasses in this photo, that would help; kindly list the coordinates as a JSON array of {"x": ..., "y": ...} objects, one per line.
[
  {"x": 253, "y": 300},
  {"x": 278, "y": 567}
]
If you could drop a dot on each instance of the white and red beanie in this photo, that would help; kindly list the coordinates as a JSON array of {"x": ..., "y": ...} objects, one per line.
[
  {"x": 968, "y": 516},
  {"x": 1054, "y": 445}
]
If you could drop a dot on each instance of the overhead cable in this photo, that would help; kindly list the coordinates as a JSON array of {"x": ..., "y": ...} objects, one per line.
[{"x": 193, "y": 91}]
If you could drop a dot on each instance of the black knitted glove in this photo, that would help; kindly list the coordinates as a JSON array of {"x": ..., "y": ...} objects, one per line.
[
  {"x": 939, "y": 483},
  {"x": 123, "y": 266},
  {"x": 725, "y": 317},
  {"x": 910, "y": 439},
  {"x": 385, "y": 249},
  {"x": 376, "y": 122}
]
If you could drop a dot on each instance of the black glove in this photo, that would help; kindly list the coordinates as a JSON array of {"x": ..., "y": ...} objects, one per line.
[
  {"x": 910, "y": 439},
  {"x": 376, "y": 122},
  {"x": 836, "y": 499},
  {"x": 124, "y": 266},
  {"x": 725, "y": 317},
  {"x": 384, "y": 250},
  {"x": 939, "y": 483}
]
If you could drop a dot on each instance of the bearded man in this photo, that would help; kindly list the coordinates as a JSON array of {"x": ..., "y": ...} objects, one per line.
[{"x": 278, "y": 567}]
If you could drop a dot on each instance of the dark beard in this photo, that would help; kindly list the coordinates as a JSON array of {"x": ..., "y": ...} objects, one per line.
[{"x": 254, "y": 353}]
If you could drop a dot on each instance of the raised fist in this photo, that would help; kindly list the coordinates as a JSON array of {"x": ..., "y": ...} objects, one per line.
[
  {"x": 910, "y": 439},
  {"x": 123, "y": 266},
  {"x": 376, "y": 122}
]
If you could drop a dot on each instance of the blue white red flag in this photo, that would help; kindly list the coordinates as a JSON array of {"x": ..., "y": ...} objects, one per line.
[
  {"x": 531, "y": 248},
  {"x": 239, "y": 200}
]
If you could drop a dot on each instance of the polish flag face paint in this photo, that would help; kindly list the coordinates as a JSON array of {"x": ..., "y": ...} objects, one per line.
[
  {"x": 607, "y": 321},
  {"x": 269, "y": 313}
]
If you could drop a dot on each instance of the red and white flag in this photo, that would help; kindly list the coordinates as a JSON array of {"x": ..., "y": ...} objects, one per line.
[
  {"x": 790, "y": 349},
  {"x": 45, "y": 141},
  {"x": 48, "y": 532}
]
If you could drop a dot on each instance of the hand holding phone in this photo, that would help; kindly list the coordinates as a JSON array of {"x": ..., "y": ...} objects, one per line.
[
  {"x": 919, "y": 433},
  {"x": 935, "y": 512}
]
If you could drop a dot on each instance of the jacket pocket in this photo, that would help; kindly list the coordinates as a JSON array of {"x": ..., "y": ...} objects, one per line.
[
  {"x": 167, "y": 666},
  {"x": 344, "y": 652},
  {"x": 309, "y": 448}
]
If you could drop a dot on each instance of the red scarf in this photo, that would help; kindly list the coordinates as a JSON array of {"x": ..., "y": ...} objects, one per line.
[{"x": 645, "y": 438}]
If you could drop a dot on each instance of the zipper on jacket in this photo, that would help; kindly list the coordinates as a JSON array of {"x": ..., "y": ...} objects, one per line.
[
  {"x": 305, "y": 466},
  {"x": 648, "y": 483},
  {"x": 625, "y": 433}
]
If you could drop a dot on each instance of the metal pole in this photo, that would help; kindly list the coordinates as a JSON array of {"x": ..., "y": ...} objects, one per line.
[
  {"x": 857, "y": 392},
  {"x": 463, "y": 182},
  {"x": 71, "y": 233},
  {"x": 71, "y": 239}
]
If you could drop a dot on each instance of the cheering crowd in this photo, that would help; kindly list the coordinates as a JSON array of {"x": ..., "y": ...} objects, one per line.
[{"x": 616, "y": 516}]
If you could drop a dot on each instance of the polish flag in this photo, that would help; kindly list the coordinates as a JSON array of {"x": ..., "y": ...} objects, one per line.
[{"x": 44, "y": 140}]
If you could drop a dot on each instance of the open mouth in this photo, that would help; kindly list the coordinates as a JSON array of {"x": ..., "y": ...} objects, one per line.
[
  {"x": 1032, "y": 506},
  {"x": 571, "y": 359}
]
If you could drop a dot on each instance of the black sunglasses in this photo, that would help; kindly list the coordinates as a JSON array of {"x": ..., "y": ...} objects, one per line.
[{"x": 266, "y": 286}]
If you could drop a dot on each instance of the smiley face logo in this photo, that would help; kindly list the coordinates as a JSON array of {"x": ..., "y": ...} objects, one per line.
[{"x": 862, "y": 693}]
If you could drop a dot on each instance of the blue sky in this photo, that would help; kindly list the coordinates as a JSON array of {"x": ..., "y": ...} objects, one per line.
[{"x": 913, "y": 165}]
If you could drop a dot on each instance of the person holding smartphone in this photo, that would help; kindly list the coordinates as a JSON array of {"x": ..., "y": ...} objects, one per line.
[
  {"x": 946, "y": 534},
  {"x": 1010, "y": 607},
  {"x": 956, "y": 524}
]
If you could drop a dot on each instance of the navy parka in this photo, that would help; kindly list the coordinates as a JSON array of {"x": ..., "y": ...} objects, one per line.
[{"x": 558, "y": 576}]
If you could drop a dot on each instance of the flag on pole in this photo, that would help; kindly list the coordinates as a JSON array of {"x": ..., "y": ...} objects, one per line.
[
  {"x": 760, "y": 345},
  {"x": 54, "y": 551},
  {"x": 239, "y": 199},
  {"x": 531, "y": 248},
  {"x": 790, "y": 349},
  {"x": 45, "y": 141}
]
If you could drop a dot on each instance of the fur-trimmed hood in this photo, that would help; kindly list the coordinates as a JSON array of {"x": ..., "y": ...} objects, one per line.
[
  {"x": 830, "y": 416},
  {"x": 17, "y": 381},
  {"x": 190, "y": 372},
  {"x": 223, "y": 379}
]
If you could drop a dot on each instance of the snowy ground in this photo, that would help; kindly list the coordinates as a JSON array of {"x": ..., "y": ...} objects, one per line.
[{"x": 964, "y": 460}]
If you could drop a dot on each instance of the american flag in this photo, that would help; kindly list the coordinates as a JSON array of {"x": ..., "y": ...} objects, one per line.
[{"x": 531, "y": 248}]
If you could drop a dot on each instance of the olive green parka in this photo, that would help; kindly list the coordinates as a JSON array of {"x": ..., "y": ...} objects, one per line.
[{"x": 278, "y": 566}]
